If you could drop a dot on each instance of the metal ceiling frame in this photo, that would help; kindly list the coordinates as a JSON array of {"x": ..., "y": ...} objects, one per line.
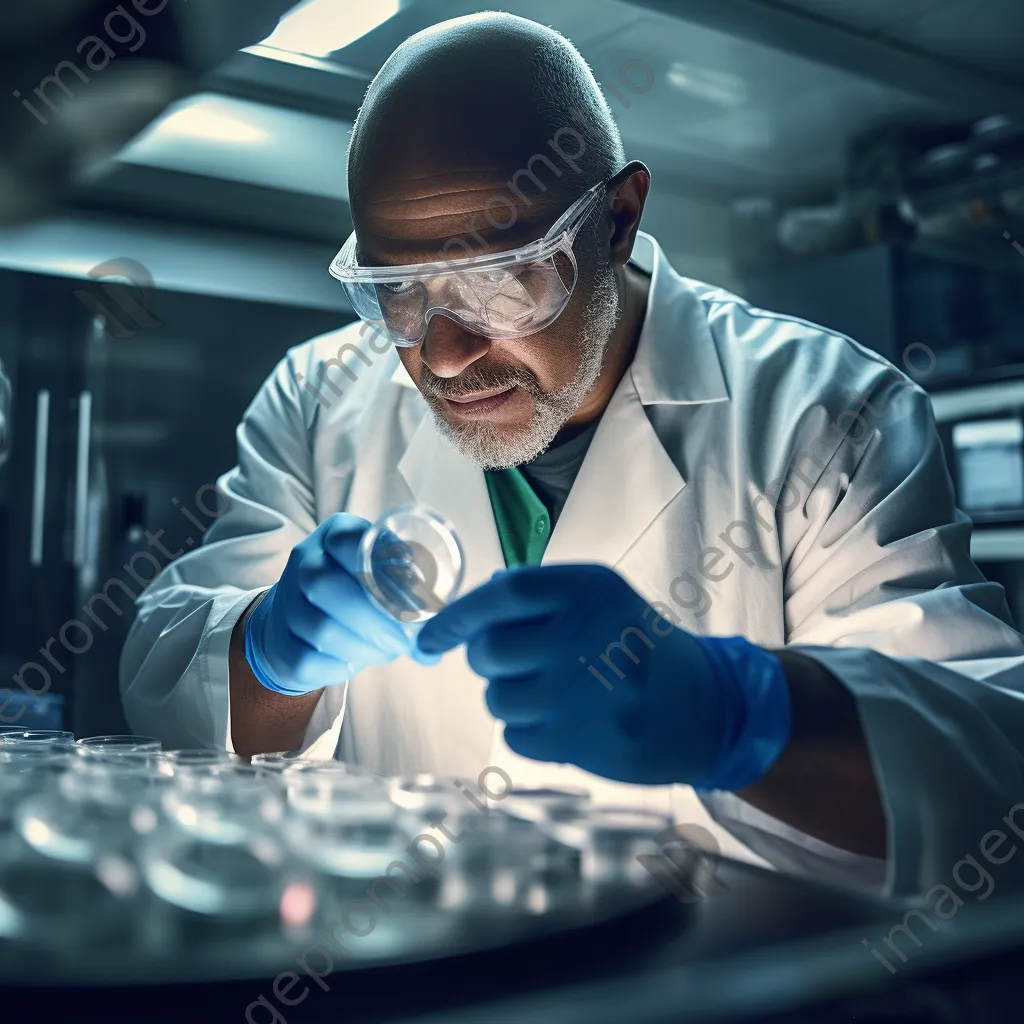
[
  {"x": 891, "y": 63},
  {"x": 310, "y": 84}
]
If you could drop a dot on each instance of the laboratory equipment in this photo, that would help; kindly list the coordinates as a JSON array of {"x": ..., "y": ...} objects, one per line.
[
  {"x": 411, "y": 563},
  {"x": 115, "y": 745},
  {"x": 611, "y": 841},
  {"x": 20, "y": 739},
  {"x": 176, "y": 762},
  {"x": 123, "y": 862},
  {"x": 276, "y": 761},
  {"x": 226, "y": 890}
]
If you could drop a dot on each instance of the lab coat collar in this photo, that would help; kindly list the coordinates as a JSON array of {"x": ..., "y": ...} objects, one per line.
[
  {"x": 676, "y": 361},
  {"x": 627, "y": 478}
]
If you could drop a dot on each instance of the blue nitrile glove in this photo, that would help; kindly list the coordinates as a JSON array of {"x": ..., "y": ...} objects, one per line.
[
  {"x": 671, "y": 707},
  {"x": 316, "y": 627}
]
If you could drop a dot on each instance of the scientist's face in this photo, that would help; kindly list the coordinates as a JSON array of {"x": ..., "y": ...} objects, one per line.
[{"x": 501, "y": 402}]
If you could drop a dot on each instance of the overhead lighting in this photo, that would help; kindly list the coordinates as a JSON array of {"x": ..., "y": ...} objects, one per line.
[
  {"x": 319, "y": 27},
  {"x": 718, "y": 87},
  {"x": 204, "y": 121}
]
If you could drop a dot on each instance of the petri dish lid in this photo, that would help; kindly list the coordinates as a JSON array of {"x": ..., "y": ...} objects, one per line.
[
  {"x": 20, "y": 739},
  {"x": 411, "y": 563},
  {"x": 601, "y": 826},
  {"x": 546, "y": 803}
]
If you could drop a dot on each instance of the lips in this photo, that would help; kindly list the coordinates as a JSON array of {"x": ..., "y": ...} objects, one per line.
[
  {"x": 480, "y": 403},
  {"x": 478, "y": 396}
]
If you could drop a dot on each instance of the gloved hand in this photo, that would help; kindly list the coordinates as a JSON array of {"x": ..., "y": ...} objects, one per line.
[
  {"x": 316, "y": 627},
  {"x": 669, "y": 708}
]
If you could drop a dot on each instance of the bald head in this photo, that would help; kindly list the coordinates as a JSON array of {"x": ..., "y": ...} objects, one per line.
[{"x": 489, "y": 122}]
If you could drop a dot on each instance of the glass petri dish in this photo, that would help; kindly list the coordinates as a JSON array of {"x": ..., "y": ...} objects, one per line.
[
  {"x": 113, "y": 745},
  {"x": 546, "y": 804},
  {"x": 62, "y": 907},
  {"x": 421, "y": 799},
  {"x": 173, "y": 762},
  {"x": 610, "y": 840},
  {"x": 343, "y": 825},
  {"x": 225, "y": 802},
  {"x": 411, "y": 563},
  {"x": 325, "y": 767},
  {"x": 26, "y": 773},
  {"x": 276, "y": 761},
  {"x": 21, "y": 738},
  {"x": 42, "y": 762},
  {"x": 243, "y": 877},
  {"x": 89, "y": 813}
]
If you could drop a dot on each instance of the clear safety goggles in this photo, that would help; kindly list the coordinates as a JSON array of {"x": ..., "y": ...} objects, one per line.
[{"x": 504, "y": 295}]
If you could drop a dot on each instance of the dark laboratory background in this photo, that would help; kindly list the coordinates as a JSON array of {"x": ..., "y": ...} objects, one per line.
[{"x": 859, "y": 163}]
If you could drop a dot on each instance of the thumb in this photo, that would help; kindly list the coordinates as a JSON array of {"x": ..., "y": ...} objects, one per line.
[{"x": 342, "y": 534}]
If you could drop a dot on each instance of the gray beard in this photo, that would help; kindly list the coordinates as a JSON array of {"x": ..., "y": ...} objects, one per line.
[{"x": 490, "y": 448}]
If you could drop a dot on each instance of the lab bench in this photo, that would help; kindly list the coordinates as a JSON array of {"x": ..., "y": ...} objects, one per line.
[{"x": 758, "y": 946}]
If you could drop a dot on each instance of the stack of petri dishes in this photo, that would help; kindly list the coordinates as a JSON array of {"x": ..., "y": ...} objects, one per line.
[{"x": 119, "y": 859}]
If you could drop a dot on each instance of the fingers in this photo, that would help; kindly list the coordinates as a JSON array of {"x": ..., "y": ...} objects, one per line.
[
  {"x": 521, "y": 701},
  {"x": 523, "y": 594},
  {"x": 351, "y": 640},
  {"x": 514, "y": 649},
  {"x": 531, "y": 741},
  {"x": 429, "y": 660},
  {"x": 340, "y": 597}
]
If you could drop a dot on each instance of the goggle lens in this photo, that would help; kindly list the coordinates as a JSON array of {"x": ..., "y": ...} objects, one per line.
[{"x": 498, "y": 303}]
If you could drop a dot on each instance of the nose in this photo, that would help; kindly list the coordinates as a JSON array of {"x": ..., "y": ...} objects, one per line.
[{"x": 448, "y": 348}]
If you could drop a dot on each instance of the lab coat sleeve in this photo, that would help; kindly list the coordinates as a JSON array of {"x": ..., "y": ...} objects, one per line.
[
  {"x": 881, "y": 590},
  {"x": 174, "y": 666}
]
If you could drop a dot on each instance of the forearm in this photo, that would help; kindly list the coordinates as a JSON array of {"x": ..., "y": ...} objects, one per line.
[
  {"x": 824, "y": 783},
  {"x": 262, "y": 720}
]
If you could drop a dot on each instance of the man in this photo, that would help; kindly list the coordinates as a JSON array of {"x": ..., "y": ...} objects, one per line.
[{"x": 711, "y": 472}]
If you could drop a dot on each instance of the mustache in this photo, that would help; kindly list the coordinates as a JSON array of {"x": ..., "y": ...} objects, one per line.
[{"x": 478, "y": 379}]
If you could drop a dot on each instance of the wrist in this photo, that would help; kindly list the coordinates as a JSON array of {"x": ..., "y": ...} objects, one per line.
[
  {"x": 252, "y": 642},
  {"x": 757, "y": 715}
]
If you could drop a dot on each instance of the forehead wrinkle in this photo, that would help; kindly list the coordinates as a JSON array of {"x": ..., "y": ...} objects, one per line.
[
  {"x": 388, "y": 250},
  {"x": 402, "y": 222},
  {"x": 404, "y": 186},
  {"x": 461, "y": 202},
  {"x": 428, "y": 195},
  {"x": 424, "y": 210},
  {"x": 473, "y": 218}
]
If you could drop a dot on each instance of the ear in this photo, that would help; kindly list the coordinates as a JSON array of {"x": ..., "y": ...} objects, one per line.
[{"x": 627, "y": 207}]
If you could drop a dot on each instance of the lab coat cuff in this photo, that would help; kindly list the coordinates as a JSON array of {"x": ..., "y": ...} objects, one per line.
[
  {"x": 883, "y": 709},
  {"x": 216, "y": 662}
]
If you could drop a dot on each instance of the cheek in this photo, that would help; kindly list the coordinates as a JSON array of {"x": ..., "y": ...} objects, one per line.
[
  {"x": 410, "y": 359},
  {"x": 554, "y": 354},
  {"x": 549, "y": 355}
]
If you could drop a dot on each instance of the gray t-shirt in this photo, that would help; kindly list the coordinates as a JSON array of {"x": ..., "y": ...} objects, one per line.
[{"x": 552, "y": 473}]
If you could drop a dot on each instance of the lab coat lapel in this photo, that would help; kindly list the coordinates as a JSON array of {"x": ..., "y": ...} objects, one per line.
[{"x": 627, "y": 477}]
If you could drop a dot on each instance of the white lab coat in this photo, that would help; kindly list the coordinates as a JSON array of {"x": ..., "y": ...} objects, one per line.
[{"x": 864, "y": 550}]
